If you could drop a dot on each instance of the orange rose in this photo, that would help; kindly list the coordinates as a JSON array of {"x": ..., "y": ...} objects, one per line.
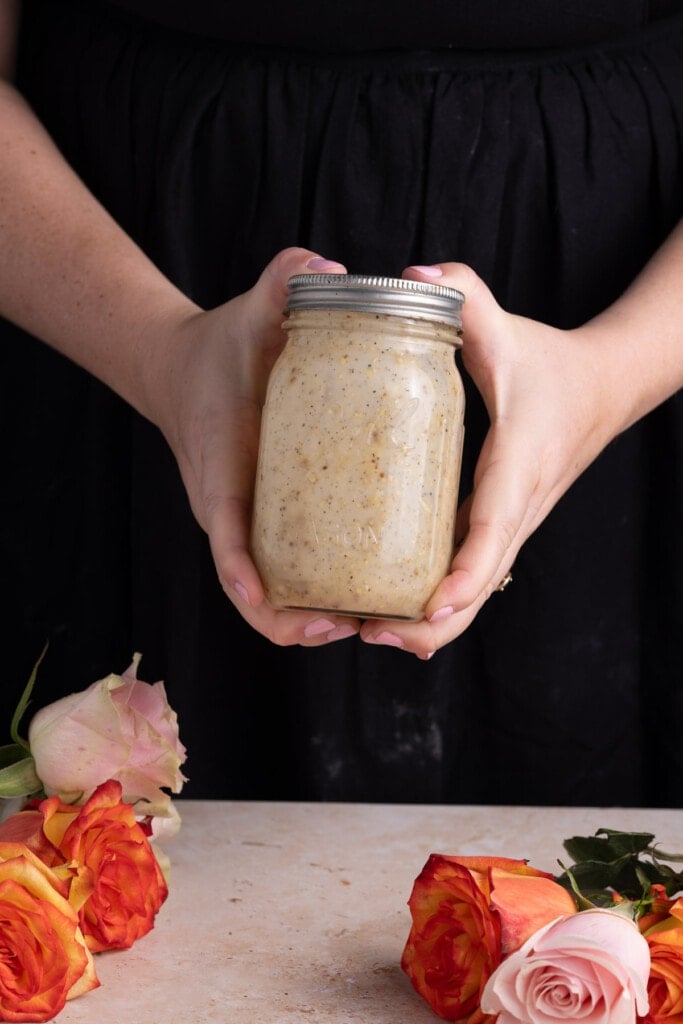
[
  {"x": 663, "y": 930},
  {"x": 45, "y": 960},
  {"x": 27, "y": 827},
  {"x": 467, "y": 913},
  {"x": 118, "y": 886}
]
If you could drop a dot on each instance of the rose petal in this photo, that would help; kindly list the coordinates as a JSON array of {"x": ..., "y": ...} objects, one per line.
[{"x": 525, "y": 907}]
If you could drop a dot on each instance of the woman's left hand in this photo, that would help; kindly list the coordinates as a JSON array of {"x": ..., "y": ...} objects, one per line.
[{"x": 547, "y": 393}]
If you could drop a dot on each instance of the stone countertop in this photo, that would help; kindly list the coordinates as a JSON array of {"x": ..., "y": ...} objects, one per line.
[{"x": 289, "y": 913}]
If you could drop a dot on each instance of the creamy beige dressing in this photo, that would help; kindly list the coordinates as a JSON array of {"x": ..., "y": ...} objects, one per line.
[{"x": 359, "y": 464}]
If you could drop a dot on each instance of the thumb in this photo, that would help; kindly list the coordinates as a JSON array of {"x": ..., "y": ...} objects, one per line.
[
  {"x": 487, "y": 329},
  {"x": 268, "y": 296}
]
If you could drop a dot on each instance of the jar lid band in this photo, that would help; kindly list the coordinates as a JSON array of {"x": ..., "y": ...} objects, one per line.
[{"x": 369, "y": 294}]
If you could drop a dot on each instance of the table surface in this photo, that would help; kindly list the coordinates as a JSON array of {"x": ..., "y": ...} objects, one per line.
[{"x": 289, "y": 913}]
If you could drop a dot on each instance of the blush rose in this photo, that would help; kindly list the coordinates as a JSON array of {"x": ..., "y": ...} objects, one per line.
[
  {"x": 467, "y": 913},
  {"x": 591, "y": 967},
  {"x": 118, "y": 728}
]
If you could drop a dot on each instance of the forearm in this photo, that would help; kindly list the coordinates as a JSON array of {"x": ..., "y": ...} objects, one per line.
[
  {"x": 639, "y": 338},
  {"x": 69, "y": 274}
]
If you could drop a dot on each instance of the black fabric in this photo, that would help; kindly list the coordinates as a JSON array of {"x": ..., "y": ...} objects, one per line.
[
  {"x": 555, "y": 175},
  {"x": 436, "y": 24}
]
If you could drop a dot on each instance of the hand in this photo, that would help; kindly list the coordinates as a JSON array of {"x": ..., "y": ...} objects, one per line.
[
  {"x": 206, "y": 398},
  {"x": 550, "y": 416}
]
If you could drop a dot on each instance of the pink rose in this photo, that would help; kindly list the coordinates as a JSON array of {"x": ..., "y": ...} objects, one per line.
[
  {"x": 118, "y": 728},
  {"x": 467, "y": 913},
  {"x": 591, "y": 967}
]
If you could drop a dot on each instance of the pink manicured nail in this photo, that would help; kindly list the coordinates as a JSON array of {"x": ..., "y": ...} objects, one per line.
[
  {"x": 319, "y": 263},
  {"x": 429, "y": 271},
  {"x": 390, "y": 639},
  {"x": 441, "y": 613},
  {"x": 242, "y": 591},
  {"x": 341, "y": 632},
  {"x": 318, "y": 626}
]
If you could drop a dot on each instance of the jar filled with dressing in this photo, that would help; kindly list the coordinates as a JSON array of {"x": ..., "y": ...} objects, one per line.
[{"x": 360, "y": 450}]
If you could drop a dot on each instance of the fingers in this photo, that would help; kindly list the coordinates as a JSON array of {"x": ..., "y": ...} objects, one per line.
[
  {"x": 423, "y": 638},
  {"x": 241, "y": 583},
  {"x": 487, "y": 329},
  {"x": 488, "y": 552},
  {"x": 229, "y": 445},
  {"x": 493, "y": 522},
  {"x": 305, "y": 628},
  {"x": 504, "y": 507},
  {"x": 503, "y": 510}
]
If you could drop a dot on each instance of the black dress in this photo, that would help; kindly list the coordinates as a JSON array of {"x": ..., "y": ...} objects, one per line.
[{"x": 547, "y": 152}]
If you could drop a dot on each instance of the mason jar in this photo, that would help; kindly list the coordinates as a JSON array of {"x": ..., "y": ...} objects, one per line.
[{"x": 356, "y": 487}]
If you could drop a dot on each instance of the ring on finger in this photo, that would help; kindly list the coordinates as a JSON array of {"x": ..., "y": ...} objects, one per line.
[{"x": 506, "y": 581}]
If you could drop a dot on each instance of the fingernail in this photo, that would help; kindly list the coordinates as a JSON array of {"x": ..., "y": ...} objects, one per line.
[
  {"x": 390, "y": 639},
  {"x": 341, "y": 632},
  {"x": 321, "y": 264},
  {"x": 429, "y": 271},
  {"x": 318, "y": 626},
  {"x": 241, "y": 590},
  {"x": 441, "y": 613}
]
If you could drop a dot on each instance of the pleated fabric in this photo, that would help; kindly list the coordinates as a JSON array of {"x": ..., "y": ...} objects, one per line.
[{"x": 555, "y": 174}]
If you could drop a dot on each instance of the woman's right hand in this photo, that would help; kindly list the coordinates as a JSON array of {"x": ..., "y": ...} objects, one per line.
[{"x": 205, "y": 392}]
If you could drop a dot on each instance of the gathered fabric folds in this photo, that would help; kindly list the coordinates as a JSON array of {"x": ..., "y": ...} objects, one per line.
[{"x": 555, "y": 174}]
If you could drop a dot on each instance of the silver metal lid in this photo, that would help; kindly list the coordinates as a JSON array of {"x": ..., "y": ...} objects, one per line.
[{"x": 367, "y": 294}]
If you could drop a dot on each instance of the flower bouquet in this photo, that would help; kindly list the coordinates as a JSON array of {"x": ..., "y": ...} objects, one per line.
[
  {"x": 84, "y": 796},
  {"x": 495, "y": 939}
]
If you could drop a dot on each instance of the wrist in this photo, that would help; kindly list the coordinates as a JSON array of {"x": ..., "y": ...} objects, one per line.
[
  {"x": 160, "y": 359},
  {"x": 637, "y": 362}
]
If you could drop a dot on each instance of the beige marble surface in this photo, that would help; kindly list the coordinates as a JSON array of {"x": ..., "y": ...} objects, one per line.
[{"x": 284, "y": 913}]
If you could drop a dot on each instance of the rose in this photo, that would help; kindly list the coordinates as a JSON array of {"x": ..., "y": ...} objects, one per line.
[
  {"x": 118, "y": 728},
  {"x": 115, "y": 881},
  {"x": 45, "y": 960},
  {"x": 591, "y": 967},
  {"x": 663, "y": 931},
  {"x": 467, "y": 913},
  {"x": 118, "y": 885}
]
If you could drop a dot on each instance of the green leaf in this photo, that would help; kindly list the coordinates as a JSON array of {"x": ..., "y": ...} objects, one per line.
[
  {"x": 599, "y": 874},
  {"x": 20, "y": 779},
  {"x": 626, "y": 842},
  {"x": 24, "y": 701},
  {"x": 607, "y": 845},
  {"x": 587, "y": 848},
  {"x": 612, "y": 861}
]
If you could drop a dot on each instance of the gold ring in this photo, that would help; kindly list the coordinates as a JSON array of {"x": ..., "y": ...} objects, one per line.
[{"x": 507, "y": 579}]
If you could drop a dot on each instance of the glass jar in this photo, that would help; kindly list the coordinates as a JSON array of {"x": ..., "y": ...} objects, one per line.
[{"x": 361, "y": 443}]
